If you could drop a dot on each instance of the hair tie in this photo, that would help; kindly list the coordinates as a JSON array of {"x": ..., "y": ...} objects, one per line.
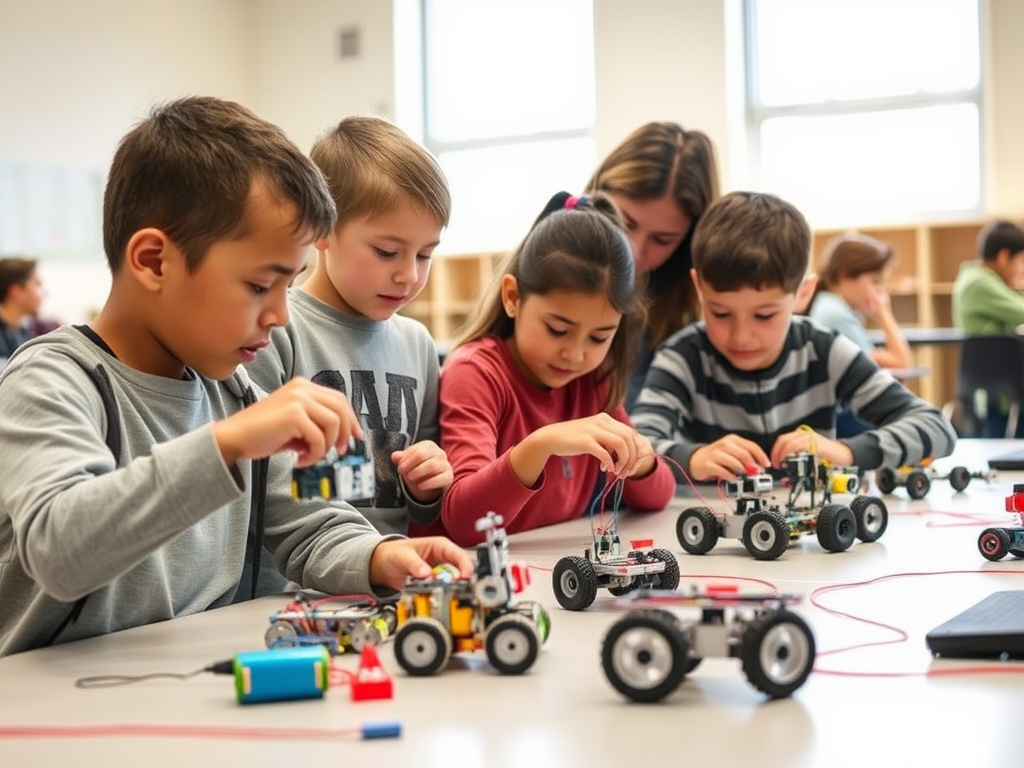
[{"x": 575, "y": 202}]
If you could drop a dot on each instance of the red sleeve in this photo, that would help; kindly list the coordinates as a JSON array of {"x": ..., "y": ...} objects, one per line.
[
  {"x": 473, "y": 401},
  {"x": 651, "y": 493}
]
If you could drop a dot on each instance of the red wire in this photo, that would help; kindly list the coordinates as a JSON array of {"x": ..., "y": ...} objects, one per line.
[{"x": 902, "y": 635}]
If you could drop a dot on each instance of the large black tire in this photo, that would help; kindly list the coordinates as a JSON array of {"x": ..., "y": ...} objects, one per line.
[
  {"x": 669, "y": 578},
  {"x": 872, "y": 517},
  {"x": 836, "y": 527},
  {"x": 778, "y": 653},
  {"x": 886, "y": 480},
  {"x": 644, "y": 655},
  {"x": 624, "y": 589},
  {"x": 512, "y": 644},
  {"x": 959, "y": 478},
  {"x": 765, "y": 535},
  {"x": 994, "y": 543},
  {"x": 422, "y": 646},
  {"x": 697, "y": 530},
  {"x": 575, "y": 583},
  {"x": 918, "y": 484}
]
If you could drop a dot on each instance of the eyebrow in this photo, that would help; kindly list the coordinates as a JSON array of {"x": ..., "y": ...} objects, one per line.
[
  {"x": 403, "y": 241},
  {"x": 281, "y": 269},
  {"x": 663, "y": 233},
  {"x": 567, "y": 321}
]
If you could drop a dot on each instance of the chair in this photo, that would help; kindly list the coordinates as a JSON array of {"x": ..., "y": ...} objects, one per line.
[{"x": 995, "y": 365}]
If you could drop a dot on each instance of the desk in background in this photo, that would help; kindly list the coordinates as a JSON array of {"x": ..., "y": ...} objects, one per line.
[
  {"x": 939, "y": 353},
  {"x": 563, "y": 712}
]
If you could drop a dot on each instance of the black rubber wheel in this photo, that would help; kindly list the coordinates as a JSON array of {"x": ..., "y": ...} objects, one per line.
[
  {"x": 778, "y": 653},
  {"x": 575, "y": 583},
  {"x": 918, "y": 484},
  {"x": 886, "y": 480},
  {"x": 624, "y": 589},
  {"x": 422, "y": 646},
  {"x": 669, "y": 578},
  {"x": 512, "y": 644},
  {"x": 697, "y": 530},
  {"x": 872, "y": 517},
  {"x": 836, "y": 527},
  {"x": 959, "y": 478},
  {"x": 994, "y": 543},
  {"x": 765, "y": 535},
  {"x": 644, "y": 655}
]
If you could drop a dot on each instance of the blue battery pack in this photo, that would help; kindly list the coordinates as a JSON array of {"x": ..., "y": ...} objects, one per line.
[{"x": 282, "y": 674}]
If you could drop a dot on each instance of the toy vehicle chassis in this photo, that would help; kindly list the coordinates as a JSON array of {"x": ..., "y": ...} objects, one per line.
[
  {"x": 647, "y": 653},
  {"x": 339, "y": 626},
  {"x": 918, "y": 480},
  {"x": 996, "y": 543},
  {"x": 766, "y": 530},
  {"x": 446, "y": 613},
  {"x": 576, "y": 579}
]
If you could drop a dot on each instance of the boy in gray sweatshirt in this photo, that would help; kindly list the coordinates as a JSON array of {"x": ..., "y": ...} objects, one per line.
[{"x": 136, "y": 454}]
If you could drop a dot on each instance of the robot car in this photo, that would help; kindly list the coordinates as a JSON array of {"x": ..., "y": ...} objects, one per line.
[
  {"x": 766, "y": 529},
  {"x": 445, "y": 613},
  {"x": 647, "y": 653},
  {"x": 996, "y": 543},
  {"x": 918, "y": 478},
  {"x": 333, "y": 622}
]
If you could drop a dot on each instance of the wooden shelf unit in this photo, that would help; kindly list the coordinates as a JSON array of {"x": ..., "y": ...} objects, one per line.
[
  {"x": 929, "y": 257},
  {"x": 453, "y": 292}
]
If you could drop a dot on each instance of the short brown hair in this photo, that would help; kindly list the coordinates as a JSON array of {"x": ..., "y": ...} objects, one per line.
[
  {"x": 373, "y": 167},
  {"x": 188, "y": 170},
  {"x": 14, "y": 270},
  {"x": 852, "y": 255},
  {"x": 752, "y": 240},
  {"x": 998, "y": 236}
]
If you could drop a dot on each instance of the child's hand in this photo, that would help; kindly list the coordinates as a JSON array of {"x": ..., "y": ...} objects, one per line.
[
  {"x": 646, "y": 461},
  {"x": 394, "y": 560},
  {"x": 300, "y": 416},
  {"x": 425, "y": 469},
  {"x": 725, "y": 458},
  {"x": 807, "y": 441},
  {"x": 616, "y": 445}
]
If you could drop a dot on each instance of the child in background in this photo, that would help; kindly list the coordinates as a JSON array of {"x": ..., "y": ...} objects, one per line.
[
  {"x": 987, "y": 298},
  {"x": 736, "y": 389},
  {"x": 134, "y": 451},
  {"x": 21, "y": 296},
  {"x": 532, "y": 393},
  {"x": 392, "y": 201},
  {"x": 851, "y": 288}
]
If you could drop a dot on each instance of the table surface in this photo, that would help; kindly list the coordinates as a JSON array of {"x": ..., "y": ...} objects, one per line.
[
  {"x": 890, "y": 701},
  {"x": 919, "y": 336}
]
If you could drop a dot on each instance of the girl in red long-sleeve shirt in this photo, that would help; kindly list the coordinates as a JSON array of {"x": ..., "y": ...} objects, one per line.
[{"x": 531, "y": 398}]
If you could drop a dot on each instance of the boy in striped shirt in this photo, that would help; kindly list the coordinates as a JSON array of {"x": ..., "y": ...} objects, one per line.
[{"x": 752, "y": 383}]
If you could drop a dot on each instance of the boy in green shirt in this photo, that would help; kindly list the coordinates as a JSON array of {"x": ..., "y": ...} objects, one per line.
[{"x": 987, "y": 298}]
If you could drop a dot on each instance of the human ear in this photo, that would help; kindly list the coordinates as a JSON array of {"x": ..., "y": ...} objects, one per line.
[
  {"x": 510, "y": 294},
  {"x": 146, "y": 257},
  {"x": 804, "y": 293},
  {"x": 697, "y": 286}
]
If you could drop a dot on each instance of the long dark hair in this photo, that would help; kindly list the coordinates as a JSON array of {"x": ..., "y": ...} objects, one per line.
[{"x": 576, "y": 245}]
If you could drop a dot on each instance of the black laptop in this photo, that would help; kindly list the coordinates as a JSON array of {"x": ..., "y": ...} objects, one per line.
[
  {"x": 991, "y": 628},
  {"x": 1014, "y": 460}
]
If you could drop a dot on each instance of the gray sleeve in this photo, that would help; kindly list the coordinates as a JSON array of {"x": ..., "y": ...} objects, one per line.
[
  {"x": 907, "y": 428},
  {"x": 321, "y": 545},
  {"x": 78, "y": 520}
]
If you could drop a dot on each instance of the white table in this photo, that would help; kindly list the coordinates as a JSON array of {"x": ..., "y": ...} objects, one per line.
[{"x": 563, "y": 712}]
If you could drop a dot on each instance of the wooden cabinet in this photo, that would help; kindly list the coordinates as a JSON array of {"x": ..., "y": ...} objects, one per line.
[
  {"x": 453, "y": 292},
  {"x": 929, "y": 256}
]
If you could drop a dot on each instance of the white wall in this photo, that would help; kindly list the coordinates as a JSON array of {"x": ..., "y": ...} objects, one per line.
[{"x": 76, "y": 75}]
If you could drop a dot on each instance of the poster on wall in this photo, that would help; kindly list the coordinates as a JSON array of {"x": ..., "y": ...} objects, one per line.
[{"x": 50, "y": 212}]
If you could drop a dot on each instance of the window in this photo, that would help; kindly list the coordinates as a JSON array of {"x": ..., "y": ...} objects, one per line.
[
  {"x": 508, "y": 110},
  {"x": 866, "y": 111}
]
